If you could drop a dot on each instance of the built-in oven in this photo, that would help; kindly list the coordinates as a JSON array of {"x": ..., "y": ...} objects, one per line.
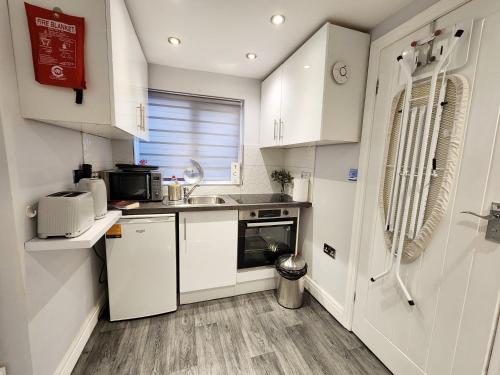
[
  {"x": 265, "y": 234},
  {"x": 134, "y": 186}
]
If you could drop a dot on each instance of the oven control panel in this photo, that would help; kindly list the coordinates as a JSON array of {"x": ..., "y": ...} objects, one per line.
[{"x": 268, "y": 213}]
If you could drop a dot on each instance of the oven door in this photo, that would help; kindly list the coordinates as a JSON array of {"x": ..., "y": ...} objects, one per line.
[
  {"x": 130, "y": 186},
  {"x": 261, "y": 242}
]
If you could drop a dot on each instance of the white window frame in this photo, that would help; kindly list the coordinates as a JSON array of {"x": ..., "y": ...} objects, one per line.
[{"x": 240, "y": 148}]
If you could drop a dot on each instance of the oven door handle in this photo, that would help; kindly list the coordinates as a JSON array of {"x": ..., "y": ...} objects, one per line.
[{"x": 269, "y": 224}]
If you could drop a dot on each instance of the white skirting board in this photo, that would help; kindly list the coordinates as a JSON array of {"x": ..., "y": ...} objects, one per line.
[
  {"x": 331, "y": 305},
  {"x": 228, "y": 291},
  {"x": 74, "y": 351}
]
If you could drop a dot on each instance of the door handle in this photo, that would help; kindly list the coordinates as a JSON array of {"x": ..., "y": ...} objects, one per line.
[
  {"x": 274, "y": 130},
  {"x": 138, "y": 119},
  {"x": 484, "y": 217},
  {"x": 493, "y": 228},
  {"x": 281, "y": 130},
  {"x": 185, "y": 230},
  {"x": 143, "y": 118}
]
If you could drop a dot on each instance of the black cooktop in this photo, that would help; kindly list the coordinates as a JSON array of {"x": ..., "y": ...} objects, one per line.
[{"x": 261, "y": 198}]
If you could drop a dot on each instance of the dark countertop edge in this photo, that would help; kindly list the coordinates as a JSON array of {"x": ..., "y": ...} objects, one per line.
[{"x": 159, "y": 208}]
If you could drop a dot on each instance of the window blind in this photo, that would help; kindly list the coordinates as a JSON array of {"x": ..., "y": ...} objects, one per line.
[{"x": 183, "y": 127}]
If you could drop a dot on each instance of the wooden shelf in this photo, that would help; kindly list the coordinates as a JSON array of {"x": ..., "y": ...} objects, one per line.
[{"x": 84, "y": 241}]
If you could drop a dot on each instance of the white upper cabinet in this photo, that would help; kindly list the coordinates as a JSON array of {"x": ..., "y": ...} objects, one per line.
[
  {"x": 313, "y": 108},
  {"x": 114, "y": 103}
]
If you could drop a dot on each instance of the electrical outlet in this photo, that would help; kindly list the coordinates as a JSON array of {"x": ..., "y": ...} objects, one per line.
[{"x": 327, "y": 249}]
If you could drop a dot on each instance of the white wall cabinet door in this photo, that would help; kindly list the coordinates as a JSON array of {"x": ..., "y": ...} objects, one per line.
[
  {"x": 303, "y": 83},
  {"x": 129, "y": 72},
  {"x": 270, "y": 110},
  {"x": 208, "y": 247}
]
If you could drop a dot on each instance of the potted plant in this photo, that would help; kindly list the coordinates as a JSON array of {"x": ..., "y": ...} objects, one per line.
[{"x": 282, "y": 177}]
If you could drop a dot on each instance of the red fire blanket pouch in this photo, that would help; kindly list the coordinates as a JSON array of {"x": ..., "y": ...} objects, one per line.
[{"x": 57, "y": 48}]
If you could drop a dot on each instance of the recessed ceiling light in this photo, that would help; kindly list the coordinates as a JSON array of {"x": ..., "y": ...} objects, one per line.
[
  {"x": 173, "y": 40},
  {"x": 307, "y": 66},
  {"x": 277, "y": 19},
  {"x": 251, "y": 56}
]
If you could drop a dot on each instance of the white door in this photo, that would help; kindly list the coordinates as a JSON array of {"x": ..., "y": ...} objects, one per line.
[
  {"x": 456, "y": 282},
  {"x": 270, "y": 109},
  {"x": 129, "y": 72},
  {"x": 208, "y": 249},
  {"x": 303, "y": 88}
]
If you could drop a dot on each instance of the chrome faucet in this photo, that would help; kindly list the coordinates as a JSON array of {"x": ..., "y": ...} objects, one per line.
[{"x": 189, "y": 190}]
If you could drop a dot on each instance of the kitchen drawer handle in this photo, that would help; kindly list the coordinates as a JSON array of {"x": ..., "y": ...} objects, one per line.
[{"x": 269, "y": 224}]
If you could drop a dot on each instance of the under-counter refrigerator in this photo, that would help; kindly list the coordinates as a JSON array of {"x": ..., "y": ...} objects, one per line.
[{"x": 142, "y": 266}]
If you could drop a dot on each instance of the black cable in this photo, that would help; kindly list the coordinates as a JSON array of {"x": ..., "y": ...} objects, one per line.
[{"x": 103, "y": 266}]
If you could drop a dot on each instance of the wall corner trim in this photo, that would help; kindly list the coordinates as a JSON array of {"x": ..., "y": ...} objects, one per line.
[
  {"x": 330, "y": 304},
  {"x": 74, "y": 351}
]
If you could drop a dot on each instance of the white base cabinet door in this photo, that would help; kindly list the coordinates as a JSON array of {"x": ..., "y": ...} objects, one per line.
[{"x": 208, "y": 249}]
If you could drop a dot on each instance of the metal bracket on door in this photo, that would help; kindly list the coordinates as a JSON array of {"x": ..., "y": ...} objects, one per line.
[{"x": 493, "y": 228}]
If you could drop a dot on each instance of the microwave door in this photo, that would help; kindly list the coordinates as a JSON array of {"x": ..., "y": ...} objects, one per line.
[{"x": 129, "y": 186}]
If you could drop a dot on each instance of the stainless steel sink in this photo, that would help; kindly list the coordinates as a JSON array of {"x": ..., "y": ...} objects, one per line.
[{"x": 208, "y": 200}]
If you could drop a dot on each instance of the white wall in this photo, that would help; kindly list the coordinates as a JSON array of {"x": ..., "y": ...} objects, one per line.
[
  {"x": 57, "y": 289},
  {"x": 14, "y": 334},
  {"x": 400, "y": 17},
  {"x": 257, "y": 164},
  {"x": 330, "y": 219}
]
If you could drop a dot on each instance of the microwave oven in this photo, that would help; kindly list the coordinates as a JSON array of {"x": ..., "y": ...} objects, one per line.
[{"x": 133, "y": 186}]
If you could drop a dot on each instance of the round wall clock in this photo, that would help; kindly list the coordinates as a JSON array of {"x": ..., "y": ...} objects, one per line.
[{"x": 340, "y": 72}]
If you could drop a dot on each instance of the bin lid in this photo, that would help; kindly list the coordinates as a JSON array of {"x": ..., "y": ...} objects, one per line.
[{"x": 291, "y": 263}]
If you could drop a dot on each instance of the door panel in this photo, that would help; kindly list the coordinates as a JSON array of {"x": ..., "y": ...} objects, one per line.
[
  {"x": 208, "y": 248},
  {"x": 455, "y": 283},
  {"x": 303, "y": 88},
  {"x": 270, "y": 111}
]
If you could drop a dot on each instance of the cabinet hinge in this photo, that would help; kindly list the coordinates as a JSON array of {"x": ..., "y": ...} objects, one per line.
[{"x": 376, "y": 87}]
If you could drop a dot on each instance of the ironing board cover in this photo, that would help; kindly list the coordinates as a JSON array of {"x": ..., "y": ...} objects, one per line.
[{"x": 447, "y": 157}]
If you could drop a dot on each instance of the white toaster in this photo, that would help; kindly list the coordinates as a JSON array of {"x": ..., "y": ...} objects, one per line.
[
  {"x": 67, "y": 213},
  {"x": 98, "y": 189}
]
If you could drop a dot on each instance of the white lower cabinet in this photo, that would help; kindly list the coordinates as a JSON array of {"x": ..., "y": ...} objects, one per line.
[{"x": 208, "y": 248}]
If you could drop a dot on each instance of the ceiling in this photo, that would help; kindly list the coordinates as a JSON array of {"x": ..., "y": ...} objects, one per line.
[{"x": 216, "y": 34}]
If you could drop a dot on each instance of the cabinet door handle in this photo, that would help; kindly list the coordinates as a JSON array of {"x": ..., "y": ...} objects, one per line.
[
  {"x": 143, "y": 117},
  {"x": 138, "y": 119},
  {"x": 274, "y": 134},
  {"x": 185, "y": 231},
  {"x": 281, "y": 130}
]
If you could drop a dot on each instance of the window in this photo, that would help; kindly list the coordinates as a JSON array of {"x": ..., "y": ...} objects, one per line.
[{"x": 184, "y": 127}]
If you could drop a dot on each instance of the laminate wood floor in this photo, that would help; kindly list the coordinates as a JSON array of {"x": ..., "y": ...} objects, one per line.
[{"x": 249, "y": 334}]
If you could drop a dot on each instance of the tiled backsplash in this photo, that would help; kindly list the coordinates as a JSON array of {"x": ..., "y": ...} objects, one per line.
[{"x": 97, "y": 151}]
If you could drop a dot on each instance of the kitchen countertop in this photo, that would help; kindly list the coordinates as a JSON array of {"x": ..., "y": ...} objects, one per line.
[{"x": 232, "y": 202}]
